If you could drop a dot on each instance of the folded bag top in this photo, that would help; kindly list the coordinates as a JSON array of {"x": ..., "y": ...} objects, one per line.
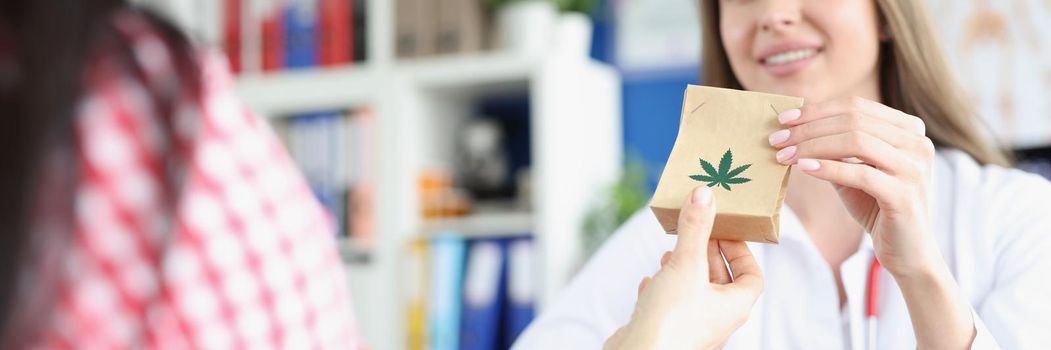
[{"x": 722, "y": 143}]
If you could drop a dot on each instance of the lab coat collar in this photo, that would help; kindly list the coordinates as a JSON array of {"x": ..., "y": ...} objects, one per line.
[{"x": 853, "y": 272}]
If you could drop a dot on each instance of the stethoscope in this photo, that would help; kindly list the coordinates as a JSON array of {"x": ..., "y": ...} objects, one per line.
[{"x": 871, "y": 299}]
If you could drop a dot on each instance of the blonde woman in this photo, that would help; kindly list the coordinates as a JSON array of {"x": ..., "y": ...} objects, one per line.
[{"x": 886, "y": 141}]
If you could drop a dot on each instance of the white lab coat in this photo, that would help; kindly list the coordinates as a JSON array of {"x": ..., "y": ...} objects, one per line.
[{"x": 993, "y": 227}]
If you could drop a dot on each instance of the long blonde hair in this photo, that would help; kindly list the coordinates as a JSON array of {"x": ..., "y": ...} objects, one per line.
[{"x": 914, "y": 77}]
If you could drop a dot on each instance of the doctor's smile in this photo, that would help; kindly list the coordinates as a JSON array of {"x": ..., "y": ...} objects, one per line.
[{"x": 786, "y": 58}]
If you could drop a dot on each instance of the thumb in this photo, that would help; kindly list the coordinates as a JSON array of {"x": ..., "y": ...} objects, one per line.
[{"x": 695, "y": 224}]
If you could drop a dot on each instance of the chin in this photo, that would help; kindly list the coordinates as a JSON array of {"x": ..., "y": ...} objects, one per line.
[{"x": 808, "y": 93}]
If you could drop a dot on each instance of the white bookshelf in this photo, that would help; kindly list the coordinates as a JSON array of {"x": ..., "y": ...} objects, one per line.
[
  {"x": 575, "y": 117},
  {"x": 295, "y": 91},
  {"x": 417, "y": 105},
  {"x": 483, "y": 224}
]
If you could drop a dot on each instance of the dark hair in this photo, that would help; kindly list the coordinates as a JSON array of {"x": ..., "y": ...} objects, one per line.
[{"x": 44, "y": 49}]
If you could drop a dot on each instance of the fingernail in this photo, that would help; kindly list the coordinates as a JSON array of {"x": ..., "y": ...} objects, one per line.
[
  {"x": 808, "y": 164},
  {"x": 779, "y": 137},
  {"x": 789, "y": 115},
  {"x": 786, "y": 154},
  {"x": 702, "y": 195}
]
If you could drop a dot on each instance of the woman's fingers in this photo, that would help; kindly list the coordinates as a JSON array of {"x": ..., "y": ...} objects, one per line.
[
  {"x": 695, "y": 226},
  {"x": 857, "y": 144},
  {"x": 842, "y": 124},
  {"x": 665, "y": 258},
  {"x": 717, "y": 272},
  {"x": 877, "y": 184},
  {"x": 916, "y": 145},
  {"x": 854, "y": 106},
  {"x": 746, "y": 272}
]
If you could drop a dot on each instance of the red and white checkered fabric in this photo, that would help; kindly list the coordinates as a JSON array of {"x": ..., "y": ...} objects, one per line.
[{"x": 245, "y": 260}]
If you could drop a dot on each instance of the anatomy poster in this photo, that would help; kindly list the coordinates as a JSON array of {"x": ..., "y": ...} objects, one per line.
[{"x": 1001, "y": 53}]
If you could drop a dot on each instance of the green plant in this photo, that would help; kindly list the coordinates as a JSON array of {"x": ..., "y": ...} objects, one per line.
[
  {"x": 621, "y": 200},
  {"x": 582, "y": 6},
  {"x": 723, "y": 176}
]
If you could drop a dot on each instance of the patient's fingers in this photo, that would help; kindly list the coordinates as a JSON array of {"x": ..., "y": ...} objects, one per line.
[
  {"x": 717, "y": 272},
  {"x": 643, "y": 283},
  {"x": 746, "y": 272}
]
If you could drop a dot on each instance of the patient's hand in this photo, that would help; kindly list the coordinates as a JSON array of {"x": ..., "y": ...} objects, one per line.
[{"x": 693, "y": 302}]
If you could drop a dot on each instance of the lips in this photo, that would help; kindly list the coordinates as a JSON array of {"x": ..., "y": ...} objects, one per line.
[
  {"x": 788, "y": 52},
  {"x": 789, "y": 56}
]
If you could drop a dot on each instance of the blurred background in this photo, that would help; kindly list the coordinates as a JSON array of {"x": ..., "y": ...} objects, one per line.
[{"x": 475, "y": 152}]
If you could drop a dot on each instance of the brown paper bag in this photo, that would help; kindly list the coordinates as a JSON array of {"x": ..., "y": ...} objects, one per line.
[{"x": 722, "y": 143}]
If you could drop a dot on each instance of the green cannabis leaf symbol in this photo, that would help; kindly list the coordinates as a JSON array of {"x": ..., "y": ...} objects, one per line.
[{"x": 724, "y": 176}]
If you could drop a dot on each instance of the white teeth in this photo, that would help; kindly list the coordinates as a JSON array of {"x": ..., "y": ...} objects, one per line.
[{"x": 790, "y": 56}]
